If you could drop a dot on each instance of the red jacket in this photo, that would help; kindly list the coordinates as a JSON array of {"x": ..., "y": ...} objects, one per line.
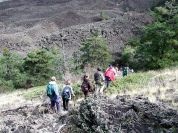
[{"x": 110, "y": 73}]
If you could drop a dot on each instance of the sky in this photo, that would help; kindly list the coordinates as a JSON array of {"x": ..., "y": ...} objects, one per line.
[{"x": 3, "y": 0}]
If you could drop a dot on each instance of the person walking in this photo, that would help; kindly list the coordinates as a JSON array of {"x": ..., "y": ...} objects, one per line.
[
  {"x": 53, "y": 93},
  {"x": 125, "y": 71},
  {"x": 99, "y": 81},
  {"x": 109, "y": 74},
  {"x": 67, "y": 94},
  {"x": 86, "y": 86}
]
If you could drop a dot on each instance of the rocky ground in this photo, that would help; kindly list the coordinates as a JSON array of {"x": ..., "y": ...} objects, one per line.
[
  {"x": 25, "y": 25},
  {"x": 124, "y": 115},
  {"x": 96, "y": 114},
  {"x": 31, "y": 119}
]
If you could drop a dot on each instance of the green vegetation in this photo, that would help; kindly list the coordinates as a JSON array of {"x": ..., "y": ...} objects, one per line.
[
  {"x": 39, "y": 66},
  {"x": 77, "y": 90},
  {"x": 34, "y": 70},
  {"x": 130, "y": 82},
  {"x": 11, "y": 71},
  {"x": 157, "y": 48},
  {"x": 38, "y": 92},
  {"x": 34, "y": 93},
  {"x": 94, "y": 51}
]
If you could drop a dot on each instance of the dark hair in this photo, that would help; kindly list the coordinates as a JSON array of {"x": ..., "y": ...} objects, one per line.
[
  {"x": 85, "y": 76},
  {"x": 99, "y": 69}
]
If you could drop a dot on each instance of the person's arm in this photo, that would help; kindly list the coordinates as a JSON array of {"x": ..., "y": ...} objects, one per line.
[
  {"x": 72, "y": 92},
  {"x": 89, "y": 86},
  {"x": 56, "y": 90},
  {"x": 102, "y": 75}
]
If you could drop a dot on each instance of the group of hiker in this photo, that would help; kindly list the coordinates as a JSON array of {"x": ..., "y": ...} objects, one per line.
[
  {"x": 53, "y": 93},
  {"x": 102, "y": 81}
]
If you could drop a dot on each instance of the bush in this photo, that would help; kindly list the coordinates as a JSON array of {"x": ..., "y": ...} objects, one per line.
[
  {"x": 157, "y": 48},
  {"x": 6, "y": 86},
  {"x": 77, "y": 90},
  {"x": 11, "y": 71}
]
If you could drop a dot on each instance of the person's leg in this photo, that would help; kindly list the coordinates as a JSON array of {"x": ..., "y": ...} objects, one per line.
[
  {"x": 64, "y": 103},
  {"x": 109, "y": 82},
  {"x": 97, "y": 88},
  {"x": 86, "y": 94},
  {"x": 52, "y": 105},
  {"x": 67, "y": 104},
  {"x": 102, "y": 88},
  {"x": 57, "y": 106}
]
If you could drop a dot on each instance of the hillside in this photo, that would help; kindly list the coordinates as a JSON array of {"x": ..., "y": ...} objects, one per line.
[
  {"x": 150, "y": 108},
  {"x": 25, "y": 25}
]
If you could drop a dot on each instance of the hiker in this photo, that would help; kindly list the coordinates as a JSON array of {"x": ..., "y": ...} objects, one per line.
[
  {"x": 99, "y": 81},
  {"x": 125, "y": 71},
  {"x": 53, "y": 94},
  {"x": 86, "y": 86},
  {"x": 109, "y": 75},
  {"x": 67, "y": 94}
]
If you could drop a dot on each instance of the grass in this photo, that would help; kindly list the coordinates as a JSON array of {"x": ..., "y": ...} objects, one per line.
[
  {"x": 37, "y": 92},
  {"x": 130, "y": 82},
  {"x": 34, "y": 93},
  {"x": 155, "y": 85}
]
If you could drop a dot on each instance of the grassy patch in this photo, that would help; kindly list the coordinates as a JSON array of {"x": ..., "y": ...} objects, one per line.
[
  {"x": 130, "y": 82},
  {"x": 37, "y": 92},
  {"x": 34, "y": 93}
]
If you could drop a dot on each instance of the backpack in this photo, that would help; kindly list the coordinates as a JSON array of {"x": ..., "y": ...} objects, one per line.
[
  {"x": 50, "y": 90},
  {"x": 85, "y": 86},
  {"x": 97, "y": 76},
  {"x": 66, "y": 92}
]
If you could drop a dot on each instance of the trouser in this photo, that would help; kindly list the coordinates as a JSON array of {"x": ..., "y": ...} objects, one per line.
[
  {"x": 55, "y": 103},
  {"x": 99, "y": 88},
  {"x": 86, "y": 94},
  {"x": 65, "y": 103},
  {"x": 107, "y": 81}
]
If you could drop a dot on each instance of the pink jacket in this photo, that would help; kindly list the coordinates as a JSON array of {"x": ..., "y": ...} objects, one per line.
[{"x": 110, "y": 72}]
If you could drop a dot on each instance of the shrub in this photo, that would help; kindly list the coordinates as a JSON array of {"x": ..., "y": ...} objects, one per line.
[
  {"x": 6, "y": 86},
  {"x": 11, "y": 71},
  {"x": 157, "y": 48},
  {"x": 77, "y": 90}
]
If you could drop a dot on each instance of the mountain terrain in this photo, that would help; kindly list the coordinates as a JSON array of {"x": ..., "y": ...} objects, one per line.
[
  {"x": 28, "y": 25},
  {"x": 151, "y": 109}
]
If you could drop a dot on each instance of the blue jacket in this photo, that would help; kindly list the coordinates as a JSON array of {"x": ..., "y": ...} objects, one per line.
[{"x": 55, "y": 96}]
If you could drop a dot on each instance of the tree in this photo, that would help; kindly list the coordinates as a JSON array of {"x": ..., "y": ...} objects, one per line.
[
  {"x": 94, "y": 51},
  {"x": 158, "y": 46},
  {"x": 11, "y": 71},
  {"x": 39, "y": 66}
]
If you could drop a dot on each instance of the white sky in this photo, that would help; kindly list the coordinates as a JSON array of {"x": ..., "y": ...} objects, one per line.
[{"x": 3, "y": 0}]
